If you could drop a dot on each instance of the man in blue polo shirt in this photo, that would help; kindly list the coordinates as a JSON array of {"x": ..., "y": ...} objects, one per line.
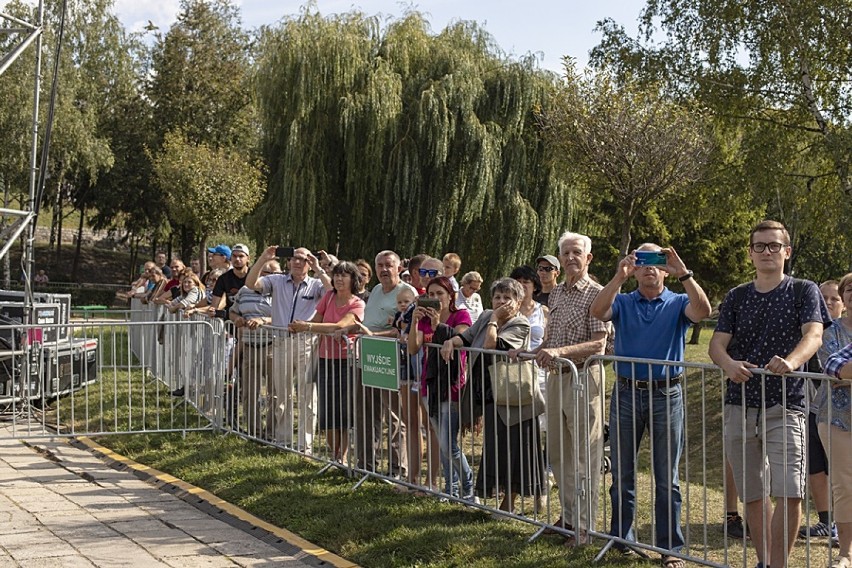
[{"x": 650, "y": 323}]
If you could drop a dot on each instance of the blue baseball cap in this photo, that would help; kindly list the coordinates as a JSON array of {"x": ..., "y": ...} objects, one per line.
[{"x": 224, "y": 250}]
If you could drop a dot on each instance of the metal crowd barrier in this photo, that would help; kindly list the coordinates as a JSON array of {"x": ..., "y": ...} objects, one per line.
[
  {"x": 702, "y": 481},
  {"x": 111, "y": 376},
  {"x": 540, "y": 455}
]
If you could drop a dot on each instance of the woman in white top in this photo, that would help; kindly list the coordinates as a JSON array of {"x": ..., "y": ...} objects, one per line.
[
  {"x": 468, "y": 296},
  {"x": 535, "y": 312}
]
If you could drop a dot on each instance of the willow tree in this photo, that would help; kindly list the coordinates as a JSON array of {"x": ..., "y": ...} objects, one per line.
[{"x": 399, "y": 137}]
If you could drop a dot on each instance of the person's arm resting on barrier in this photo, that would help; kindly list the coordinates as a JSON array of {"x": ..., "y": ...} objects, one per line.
[
  {"x": 576, "y": 352},
  {"x": 737, "y": 371},
  {"x": 804, "y": 350},
  {"x": 839, "y": 365},
  {"x": 316, "y": 324}
]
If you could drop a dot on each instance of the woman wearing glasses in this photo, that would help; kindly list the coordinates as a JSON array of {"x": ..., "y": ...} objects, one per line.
[{"x": 468, "y": 295}]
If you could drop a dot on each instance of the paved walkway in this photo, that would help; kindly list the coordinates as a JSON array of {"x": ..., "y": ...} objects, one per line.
[{"x": 61, "y": 505}]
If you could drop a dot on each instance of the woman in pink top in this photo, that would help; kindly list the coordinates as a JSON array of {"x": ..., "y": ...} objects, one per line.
[
  {"x": 442, "y": 383},
  {"x": 339, "y": 308}
]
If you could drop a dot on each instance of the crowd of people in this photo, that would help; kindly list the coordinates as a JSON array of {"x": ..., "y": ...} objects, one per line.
[{"x": 296, "y": 327}]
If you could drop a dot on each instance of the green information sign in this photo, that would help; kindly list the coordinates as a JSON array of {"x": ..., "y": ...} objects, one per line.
[{"x": 380, "y": 362}]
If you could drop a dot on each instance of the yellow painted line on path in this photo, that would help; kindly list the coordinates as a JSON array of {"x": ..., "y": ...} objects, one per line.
[{"x": 284, "y": 534}]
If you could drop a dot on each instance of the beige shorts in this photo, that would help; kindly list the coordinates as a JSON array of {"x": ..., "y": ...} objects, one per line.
[
  {"x": 838, "y": 447},
  {"x": 766, "y": 451}
]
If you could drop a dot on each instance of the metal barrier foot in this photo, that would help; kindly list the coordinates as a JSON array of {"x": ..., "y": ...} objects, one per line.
[
  {"x": 627, "y": 549},
  {"x": 537, "y": 534},
  {"x": 360, "y": 482}
]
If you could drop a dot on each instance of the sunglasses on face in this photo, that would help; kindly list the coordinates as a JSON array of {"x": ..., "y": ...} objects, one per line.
[
  {"x": 431, "y": 273},
  {"x": 546, "y": 269}
]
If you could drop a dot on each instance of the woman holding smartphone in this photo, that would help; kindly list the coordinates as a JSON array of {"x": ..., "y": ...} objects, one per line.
[{"x": 435, "y": 322}]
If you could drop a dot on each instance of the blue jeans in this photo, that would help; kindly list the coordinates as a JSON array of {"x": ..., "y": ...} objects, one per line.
[
  {"x": 631, "y": 413},
  {"x": 453, "y": 459}
]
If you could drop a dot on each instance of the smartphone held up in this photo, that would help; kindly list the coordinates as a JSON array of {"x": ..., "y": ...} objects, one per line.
[{"x": 650, "y": 258}]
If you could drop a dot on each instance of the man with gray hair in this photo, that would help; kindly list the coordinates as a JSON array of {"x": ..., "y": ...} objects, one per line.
[
  {"x": 294, "y": 297},
  {"x": 573, "y": 333},
  {"x": 372, "y": 405}
]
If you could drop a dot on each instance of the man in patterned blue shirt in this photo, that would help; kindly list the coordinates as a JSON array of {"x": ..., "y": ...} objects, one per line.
[{"x": 774, "y": 323}]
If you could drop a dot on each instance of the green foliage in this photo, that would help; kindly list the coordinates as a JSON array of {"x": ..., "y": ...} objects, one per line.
[
  {"x": 404, "y": 139},
  {"x": 775, "y": 77},
  {"x": 201, "y": 77},
  {"x": 632, "y": 145},
  {"x": 205, "y": 187}
]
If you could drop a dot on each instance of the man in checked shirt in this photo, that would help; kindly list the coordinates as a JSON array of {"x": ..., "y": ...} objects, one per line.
[{"x": 572, "y": 333}]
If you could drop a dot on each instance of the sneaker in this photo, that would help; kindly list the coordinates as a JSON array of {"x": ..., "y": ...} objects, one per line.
[
  {"x": 819, "y": 529},
  {"x": 472, "y": 499},
  {"x": 734, "y": 525}
]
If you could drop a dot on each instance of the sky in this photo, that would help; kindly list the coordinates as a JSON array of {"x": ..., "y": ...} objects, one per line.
[{"x": 548, "y": 28}]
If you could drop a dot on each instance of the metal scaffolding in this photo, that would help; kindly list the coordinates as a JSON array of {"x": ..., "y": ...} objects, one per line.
[{"x": 24, "y": 34}]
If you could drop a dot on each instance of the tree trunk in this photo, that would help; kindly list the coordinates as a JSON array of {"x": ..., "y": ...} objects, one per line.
[
  {"x": 59, "y": 218},
  {"x": 202, "y": 254},
  {"x": 134, "y": 254},
  {"x": 696, "y": 332},
  {"x": 79, "y": 244},
  {"x": 628, "y": 215}
]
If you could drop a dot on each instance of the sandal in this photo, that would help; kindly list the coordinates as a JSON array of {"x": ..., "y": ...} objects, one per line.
[
  {"x": 672, "y": 562},
  {"x": 841, "y": 562}
]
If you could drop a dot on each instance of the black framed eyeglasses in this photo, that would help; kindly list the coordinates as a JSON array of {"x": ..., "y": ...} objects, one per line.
[
  {"x": 773, "y": 247},
  {"x": 546, "y": 268},
  {"x": 430, "y": 272}
]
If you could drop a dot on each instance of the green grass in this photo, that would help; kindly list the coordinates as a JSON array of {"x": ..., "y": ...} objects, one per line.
[
  {"x": 372, "y": 526},
  {"x": 377, "y": 527}
]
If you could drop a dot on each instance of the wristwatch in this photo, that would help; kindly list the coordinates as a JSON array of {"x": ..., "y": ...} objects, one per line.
[{"x": 685, "y": 277}]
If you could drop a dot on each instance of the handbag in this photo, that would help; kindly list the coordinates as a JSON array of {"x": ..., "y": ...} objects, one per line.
[{"x": 513, "y": 384}]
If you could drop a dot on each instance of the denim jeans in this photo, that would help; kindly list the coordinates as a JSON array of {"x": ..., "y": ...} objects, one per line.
[
  {"x": 631, "y": 412},
  {"x": 453, "y": 459}
]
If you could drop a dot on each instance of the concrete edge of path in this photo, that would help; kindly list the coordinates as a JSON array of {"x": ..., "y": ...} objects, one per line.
[{"x": 186, "y": 490}]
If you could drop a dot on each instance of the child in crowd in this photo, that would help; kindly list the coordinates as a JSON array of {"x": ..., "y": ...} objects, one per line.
[
  {"x": 404, "y": 299},
  {"x": 191, "y": 292},
  {"x": 452, "y": 265}
]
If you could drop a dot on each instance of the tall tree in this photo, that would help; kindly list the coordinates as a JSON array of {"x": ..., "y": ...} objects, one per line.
[
  {"x": 205, "y": 187},
  {"x": 200, "y": 85},
  {"x": 397, "y": 137},
  {"x": 631, "y": 142},
  {"x": 780, "y": 71},
  {"x": 200, "y": 81}
]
